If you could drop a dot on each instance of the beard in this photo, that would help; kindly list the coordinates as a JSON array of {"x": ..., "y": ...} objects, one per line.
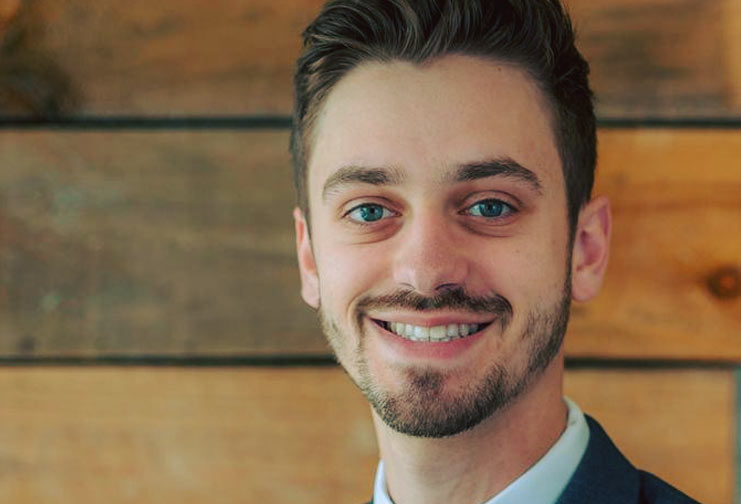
[{"x": 425, "y": 407}]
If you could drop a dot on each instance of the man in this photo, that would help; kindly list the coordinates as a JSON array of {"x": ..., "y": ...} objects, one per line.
[{"x": 444, "y": 154}]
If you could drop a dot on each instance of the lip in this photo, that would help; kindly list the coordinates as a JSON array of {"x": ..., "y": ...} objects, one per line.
[
  {"x": 427, "y": 350},
  {"x": 439, "y": 319}
]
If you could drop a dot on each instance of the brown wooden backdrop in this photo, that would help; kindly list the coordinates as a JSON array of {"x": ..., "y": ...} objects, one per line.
[
  {"x": 145, "y": 201},
  {"x": 650, "y": 58}
]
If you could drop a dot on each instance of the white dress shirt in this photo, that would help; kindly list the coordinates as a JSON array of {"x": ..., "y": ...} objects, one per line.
[{"x": 544, "y": 481}]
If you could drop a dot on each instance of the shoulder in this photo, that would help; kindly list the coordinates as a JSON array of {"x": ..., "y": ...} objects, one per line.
[
  {"x": 656, "y": 491},
  {"x": 604, "y": 475}
]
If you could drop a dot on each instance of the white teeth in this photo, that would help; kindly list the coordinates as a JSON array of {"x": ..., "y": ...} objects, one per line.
[
  {"x": 421, "y": 333},
  {"x": 437, "y": 333},
  {"x": 408, "y": 331}
]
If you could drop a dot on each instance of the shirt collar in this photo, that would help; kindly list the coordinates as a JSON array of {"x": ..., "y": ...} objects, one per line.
[{"x": 543, "y": 482}]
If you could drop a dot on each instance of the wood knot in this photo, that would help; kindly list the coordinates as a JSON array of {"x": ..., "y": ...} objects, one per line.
[
  {"x": 9, "y": 9},
  {"x": 32, "y": 83},
  {"x": 725, "y": 282}
]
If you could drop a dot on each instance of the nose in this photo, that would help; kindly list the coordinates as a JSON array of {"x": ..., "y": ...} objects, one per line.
[{"x": 430, "y": 257}]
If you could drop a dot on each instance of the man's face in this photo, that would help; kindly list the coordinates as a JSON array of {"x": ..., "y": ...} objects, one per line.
[{"x": 439, "y": 248}]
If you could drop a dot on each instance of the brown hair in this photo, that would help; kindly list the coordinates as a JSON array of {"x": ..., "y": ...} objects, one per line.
[{"x": 534, "y": 34}]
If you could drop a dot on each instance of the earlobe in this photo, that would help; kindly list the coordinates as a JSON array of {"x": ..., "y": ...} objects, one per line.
[
  {"x": 306, "y": 263},
  {"x": 591, "y": 249}
]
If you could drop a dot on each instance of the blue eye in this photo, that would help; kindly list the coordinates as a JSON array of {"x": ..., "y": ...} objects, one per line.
[
  {"x": 490, "y": 208},
  {"x": 369, "y": 212}
]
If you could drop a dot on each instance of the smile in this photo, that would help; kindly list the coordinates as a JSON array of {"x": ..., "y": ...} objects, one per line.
[{"x": 435, "y": 334}]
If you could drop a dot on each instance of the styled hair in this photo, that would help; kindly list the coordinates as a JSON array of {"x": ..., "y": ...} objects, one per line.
[{"x": 535, "y": 35}]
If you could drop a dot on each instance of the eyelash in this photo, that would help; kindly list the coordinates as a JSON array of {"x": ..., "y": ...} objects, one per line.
[
  {"x": 385, "y": 213},
  {"x": 506, "y": 210}
]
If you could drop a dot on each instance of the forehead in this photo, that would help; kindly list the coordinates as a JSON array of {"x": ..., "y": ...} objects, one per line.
[{"x": 426, "y": 119}]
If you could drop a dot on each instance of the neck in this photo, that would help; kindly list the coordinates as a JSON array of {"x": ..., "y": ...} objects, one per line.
[{"x": 473, "y": 466}]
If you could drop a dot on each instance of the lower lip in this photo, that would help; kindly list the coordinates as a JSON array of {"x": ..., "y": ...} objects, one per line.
[{"x": 442, "y": 350}]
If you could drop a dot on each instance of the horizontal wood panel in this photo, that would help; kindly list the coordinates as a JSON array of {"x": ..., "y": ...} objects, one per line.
[
  {"x": 181, "y": 244},
  {"x": 676, "y": 198},
  {"x": 661, "y": 57},
  {"x": 191, "y": 57},
  {"x": 149, "y": 243},
  {"x": 679, "y": 425},
  {"x": 125, "y": 435},
  {"x": 132, "y": 435}
]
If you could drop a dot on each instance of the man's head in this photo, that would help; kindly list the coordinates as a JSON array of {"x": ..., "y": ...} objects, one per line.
[
  {"x": 447, "y": 162},
  {"x": 536, "y": 36}
]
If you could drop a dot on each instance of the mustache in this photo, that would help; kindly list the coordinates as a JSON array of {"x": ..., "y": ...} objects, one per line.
[{"x": 455, "y": 299}]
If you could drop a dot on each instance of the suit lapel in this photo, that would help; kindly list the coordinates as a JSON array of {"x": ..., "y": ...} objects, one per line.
[{"x": 604, "y": 475}]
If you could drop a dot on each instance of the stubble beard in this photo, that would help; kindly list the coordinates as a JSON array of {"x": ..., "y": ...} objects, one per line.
[{"x": 424, "y": 407}]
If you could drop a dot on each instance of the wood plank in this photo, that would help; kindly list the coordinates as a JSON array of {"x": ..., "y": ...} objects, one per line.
[
  {"x": 679, "y": 425},
  {"x": 647, "y": 63},
  {"x": 235, "y": 57},
  {"x": 676, "y": 198},
  {"x": 149, "y": 243},
  {"x": 184, "y": 57},
  {"x": 181, "y": 244},
  {"x": 132, "y": 435},
  {"x": 125, "y": 435},
  {"x": 733, "y": 29}
]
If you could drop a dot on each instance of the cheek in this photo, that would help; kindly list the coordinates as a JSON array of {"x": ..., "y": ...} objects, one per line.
[
  {"x": 345, "y": 274},
  {"x": 548, "y": 248},
  {"x": 526, "y": 270}
]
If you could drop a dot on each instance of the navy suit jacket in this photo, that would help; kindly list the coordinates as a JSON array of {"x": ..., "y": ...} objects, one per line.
[{"x": 604, "y": 476}]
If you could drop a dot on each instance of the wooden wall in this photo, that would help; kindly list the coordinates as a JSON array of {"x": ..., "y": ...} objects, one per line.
[
  {"x": 145, "y": 199},
  {"x": 298, "y": 434}
]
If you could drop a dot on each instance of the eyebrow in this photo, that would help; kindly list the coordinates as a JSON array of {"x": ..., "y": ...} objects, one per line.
[
  {"x": 360, "y": 174},
  {"x": 501, "y": 167}
]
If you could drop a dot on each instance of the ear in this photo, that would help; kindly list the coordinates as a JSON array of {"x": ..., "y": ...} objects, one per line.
[
  {"x": 591, "y": 249},
  {"x": 306, "y": 263}
]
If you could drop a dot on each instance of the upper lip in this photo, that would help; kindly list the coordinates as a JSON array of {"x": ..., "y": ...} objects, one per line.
[{"x": 432, "y": 319}]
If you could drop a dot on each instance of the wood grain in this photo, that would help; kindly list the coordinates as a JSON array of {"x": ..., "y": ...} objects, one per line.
[
  {"x": 238, "y": 435},
  {"x": 235, "y": 57},
  {"x": 733, "y": 46},
  {"x": 189, "y": 57},
  {"x": 149, "y": 243},
  {"x": 679, "y": 425},
  {"x": 676, "y": 198},
  {"x": 132, "y": 435},
  {"x": 181, "y": 244},
  {"x": 669, "y": 58}
]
